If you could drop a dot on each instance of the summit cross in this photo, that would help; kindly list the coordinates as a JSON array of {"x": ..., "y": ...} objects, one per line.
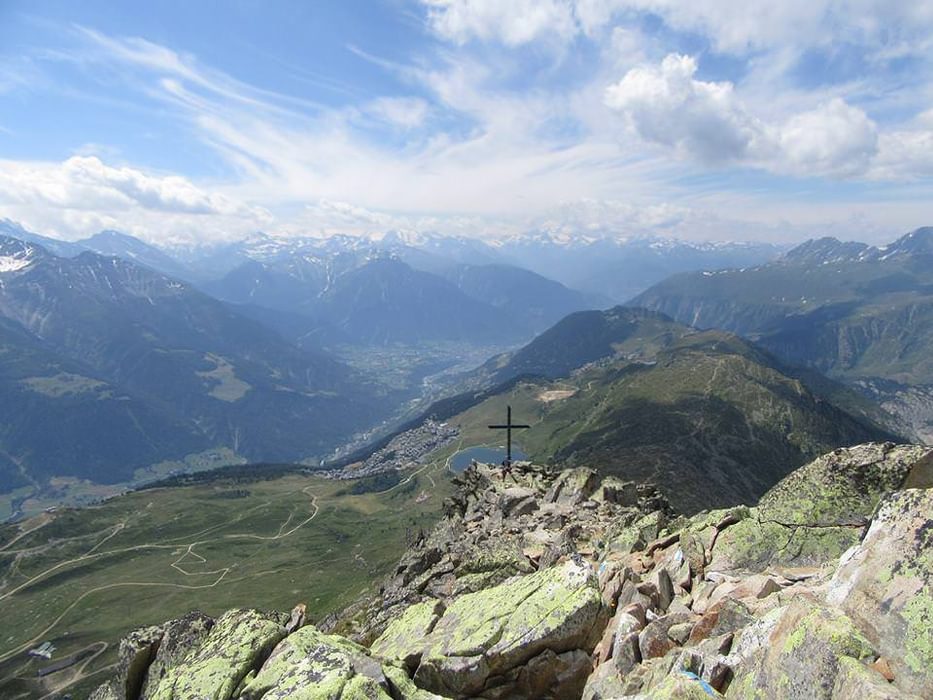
[{"x": 508, "y": 427}]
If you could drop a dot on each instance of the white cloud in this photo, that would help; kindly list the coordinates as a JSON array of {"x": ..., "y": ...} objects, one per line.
[
  {"x": 85, "y": 182},
  {"x": 485, "y": 148},
  {"x": 513, "y": 22},
  {"x": 82, "y": 195},
  {"x": 835, "y": 138},
  {"x": 404, "y": 112},
  {"x": 734, "y": 27},
  {"x": 667, "y": 105}
]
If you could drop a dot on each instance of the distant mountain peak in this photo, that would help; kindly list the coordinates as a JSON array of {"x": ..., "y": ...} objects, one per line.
[
  {"x": 17, "y": 255},
  {"x": 918, "y": 242},
  {"x": 825, "y": 250}
]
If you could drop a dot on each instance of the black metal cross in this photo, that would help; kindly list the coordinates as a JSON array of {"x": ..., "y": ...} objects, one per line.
[{"x": 508, "y": 427}]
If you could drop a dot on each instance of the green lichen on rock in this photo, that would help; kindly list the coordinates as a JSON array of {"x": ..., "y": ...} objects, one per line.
[
  {"x": 818, "y": 512},
  {"x": 886, "y": 585},
  {"x": 404, "y": 638},
  {"x": 403, "y": 688},
  {"x": 918, "y": 639},
  {"x": 839, "y": 488},
  {"x": 497, "y": 557},
  {"x": 856, "y": 680},
  {"x": 683, "y": 686},
  {"x": 311, "y": 665},
  {"x": 805, "y": 650},
  {"x": 487, "y": 633},
  {"x": 237, "y": 643}
]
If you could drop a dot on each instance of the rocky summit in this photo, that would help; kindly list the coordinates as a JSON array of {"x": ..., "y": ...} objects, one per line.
[{"x": 560, "y": 584}]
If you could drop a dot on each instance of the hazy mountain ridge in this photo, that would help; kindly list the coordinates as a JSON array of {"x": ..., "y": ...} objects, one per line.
[
  {"x": 186, "y": 356},
  {"x": 631, "y": 392},
  {"x": 857, "y": 313}
]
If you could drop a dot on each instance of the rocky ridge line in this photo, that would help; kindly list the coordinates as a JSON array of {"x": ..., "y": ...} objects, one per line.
[{"x": 553, "y": 584}]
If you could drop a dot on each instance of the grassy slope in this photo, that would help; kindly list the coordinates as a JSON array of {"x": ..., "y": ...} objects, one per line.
[
  {"x": 712, "y": 422},
  {"x": 89, "y": 576}
]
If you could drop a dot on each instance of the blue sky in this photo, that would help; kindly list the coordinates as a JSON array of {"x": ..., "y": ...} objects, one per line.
[{"x": 183, "y": 122}]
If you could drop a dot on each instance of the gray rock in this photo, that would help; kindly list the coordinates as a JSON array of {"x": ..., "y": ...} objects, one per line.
[{"x": 886, "y": 585}]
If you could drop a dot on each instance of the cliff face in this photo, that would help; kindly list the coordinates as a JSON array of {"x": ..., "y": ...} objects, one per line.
[{"x": 548, "y": 584}]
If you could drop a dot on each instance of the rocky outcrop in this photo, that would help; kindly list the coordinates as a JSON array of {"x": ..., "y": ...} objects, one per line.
[
  {"x": 561, "y": 585},
  {"x": 483, "y": 639},
  {"x": 497, "y": 527},
  {"x": 818, "y": 511},
  {"x": 885, "y": 584}
]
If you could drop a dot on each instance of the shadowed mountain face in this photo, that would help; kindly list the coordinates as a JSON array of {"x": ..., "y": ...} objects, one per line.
[
  {"x": 712, "y": 420},
  {"x": 388, "y": 301},
  {"x": 863, "y": 315},
  {"x": 120, "y": 245},
  {"x": 585, "y": 337},
  {"x": 97, "y": 330},
  {"x": 709, "y": 417}
]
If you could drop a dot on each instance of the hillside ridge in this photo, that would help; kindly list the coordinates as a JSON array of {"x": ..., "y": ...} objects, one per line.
[{"x": 557, "y": 584}]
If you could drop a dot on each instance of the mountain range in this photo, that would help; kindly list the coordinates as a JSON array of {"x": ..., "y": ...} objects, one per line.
[
  {"x": 631, "y": 392},
  {"x": 119, "y": 336},
  {"x": 857, "y": 313},
  {"x": 148, "y": 368}
]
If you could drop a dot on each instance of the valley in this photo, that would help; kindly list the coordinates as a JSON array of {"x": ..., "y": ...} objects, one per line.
[{"x": 165, "y": 551}]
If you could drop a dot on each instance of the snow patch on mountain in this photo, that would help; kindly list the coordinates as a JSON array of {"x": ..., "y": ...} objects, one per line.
[{"x": 10, "y": 263}]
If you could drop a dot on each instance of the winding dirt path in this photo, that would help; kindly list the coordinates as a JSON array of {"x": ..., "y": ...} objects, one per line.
[{"x": 189, "y": 551}]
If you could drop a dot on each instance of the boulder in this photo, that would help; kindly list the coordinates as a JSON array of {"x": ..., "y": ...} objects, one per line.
[
  {"x": 517, "y": 500},
  {"x": 179, "y": 637},
  {"x": 136, "y": 652},
  {"x": 548, "y": 676},
  {"x": 886, "y": 585},
  {"x": 403, "y": 640},
  {"x": 487, "y": 634},
  {"x": 803, "y": 655},
  {"x": 572, "y": 486},
  {"x": 614, "y": 490},
  {"x": 311, "y": 665},
  {"x": 236, "y": 644},
  {"x": 683, "y": 685},
  {"x": 817, "y": 512},
  {"x": 604, "y": 683},
  {"x": 725, "y": 617}
]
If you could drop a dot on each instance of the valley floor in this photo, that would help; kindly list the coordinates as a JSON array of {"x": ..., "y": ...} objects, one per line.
[{"x": 81, "y": 579}]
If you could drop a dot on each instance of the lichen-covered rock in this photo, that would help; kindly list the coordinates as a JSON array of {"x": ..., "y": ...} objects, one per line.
[
  {"x": 237, "y": 644},
  {"x": 803, "y": 656},
  {"x": 817, "y": 512},
  {"x": 518, "y": 500},
  {"x": 404, "y": 638},
  {"x": 856, "y": 680},
  {"x": 548, "y": 676},
  {"x": 179, "y": 637},
  {"x": 136, "y": 652},
  {"x": 487, "y": 634},
  {"x": 681, "y": 685},
  {"x": 886, "y": 585},
  {"x": 603, "y": 684},
  {"x": 502, "y": 600},
  {"x": 573, "y": 486},
  {"x": 403, "y": 688},
  {"x": 311, "y": 665}
]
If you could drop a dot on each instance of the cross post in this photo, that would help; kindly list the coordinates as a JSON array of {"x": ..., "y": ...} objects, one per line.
[{"x": 508, "y": 428}]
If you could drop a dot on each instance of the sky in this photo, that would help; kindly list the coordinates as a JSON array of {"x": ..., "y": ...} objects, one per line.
[{"x": 192, "y": 122}]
